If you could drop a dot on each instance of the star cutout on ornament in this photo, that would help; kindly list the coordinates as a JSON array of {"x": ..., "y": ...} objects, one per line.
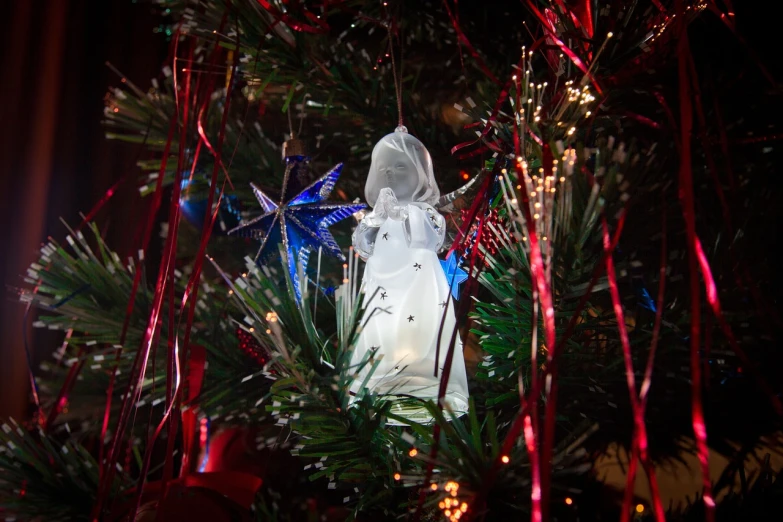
[
  {"x": 383, "y": 295},
  {"x": 417, "y": 266},
  {"x": 300, "y": 224},
  {"x": 454, "y": 274},
  {"x": 386, "y": 236},
  {"x": 410, "y": 318}
]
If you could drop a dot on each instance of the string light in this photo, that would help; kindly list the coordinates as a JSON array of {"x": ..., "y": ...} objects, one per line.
[
  {"x": 504, "y": 459},
  {"x": 568, "y": 501},
  {"x": 639, "y": 508}
]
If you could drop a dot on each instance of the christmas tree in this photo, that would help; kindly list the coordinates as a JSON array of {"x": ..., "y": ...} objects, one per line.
[{"x": 553, "y": 261}]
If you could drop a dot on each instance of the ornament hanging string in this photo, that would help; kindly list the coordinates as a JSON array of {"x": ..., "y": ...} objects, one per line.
[{"x": 397, "y": 74}]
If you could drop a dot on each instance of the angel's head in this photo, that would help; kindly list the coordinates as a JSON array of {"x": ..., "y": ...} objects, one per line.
[{"x": 401, "y": 163}]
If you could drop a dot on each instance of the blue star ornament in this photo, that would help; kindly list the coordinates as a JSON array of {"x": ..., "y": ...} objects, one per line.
[
  {"x": 454, "y": 274},
  {"x": 301, "y": 224}
]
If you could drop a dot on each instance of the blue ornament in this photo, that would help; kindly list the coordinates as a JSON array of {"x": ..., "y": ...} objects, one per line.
[
  {"x": 301, "y": 224},
  {"x": 195, "y": 208},
  {"x": 454, "y": 274}
]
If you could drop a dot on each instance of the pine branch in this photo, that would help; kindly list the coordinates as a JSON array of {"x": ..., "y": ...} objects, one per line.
[
  {"x": 85, "y": 289},
  {"x": 43, "y": 478}
]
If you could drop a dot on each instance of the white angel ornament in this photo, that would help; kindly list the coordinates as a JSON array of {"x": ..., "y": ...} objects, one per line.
[{"x": 406, "y": 291}]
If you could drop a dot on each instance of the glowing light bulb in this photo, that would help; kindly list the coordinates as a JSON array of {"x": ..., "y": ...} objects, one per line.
[
  {"x": 569, "y": 501},
  {"x": 639, "y": 508},
  {"x": 413, "y": 452},
  {"x": 504, "y": 459},
  {"x": 397, "y": 476}
]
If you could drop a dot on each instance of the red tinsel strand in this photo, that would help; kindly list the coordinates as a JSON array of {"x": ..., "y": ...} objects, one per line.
[
  {"x": 464, "y": 41},
  {"x": 464, "y": 306},
  {"x": 516, "y": 427},
  {"x": 165, "y": 274},
  {"x": 65, "y": 390},
  {"x": 724, "y": 143},
  {"x": 195, "y": 378},
  {"x": 319, "y": 27},
  {"x": 536, "y": 511},
  {"x": 209, "y": 220},
  {"x": 492, "y": 117},
  {"x": 172, "y": 365},
  {"x": 729, "y": 21},
  {"x": 686, "y": 200},
  {"x": 109, "y": 465},
  {"x": 131, "y": 392},
  {"x": 643, "y": 392},
  {"x": 563, "y": 47},
  {"x": 531, "y": 428},
  {"x": 712, "y": 168},
  {"x": 640, "y": 430},
  {"x": 714, "y": 301},
  {"x": 74, "y": 371},
  {"x": 548, "y": 309}
]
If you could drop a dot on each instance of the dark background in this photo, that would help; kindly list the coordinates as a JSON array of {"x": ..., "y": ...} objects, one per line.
[{"x": 54, "y": 159}]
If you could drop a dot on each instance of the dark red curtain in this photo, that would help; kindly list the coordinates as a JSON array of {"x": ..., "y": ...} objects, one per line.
[{"x": 54, "y": 159}]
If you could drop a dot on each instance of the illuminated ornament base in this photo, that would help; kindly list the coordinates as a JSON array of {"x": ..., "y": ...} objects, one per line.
[{"x": 413, "y": 409}]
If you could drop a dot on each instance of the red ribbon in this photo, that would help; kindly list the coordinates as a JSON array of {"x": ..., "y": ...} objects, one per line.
[{"x": 237, "y": 486}]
